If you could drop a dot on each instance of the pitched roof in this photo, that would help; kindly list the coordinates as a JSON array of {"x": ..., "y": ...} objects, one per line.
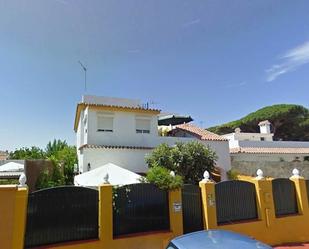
[
  {"x": 81, "y": 106},
  {"x": 200, "y": 133},
  {"x": 265, "y": 150},
  {"x": 93, "y": 146}
]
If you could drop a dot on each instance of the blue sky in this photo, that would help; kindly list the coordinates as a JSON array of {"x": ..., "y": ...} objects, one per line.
[{"x": 215, "y": 60}]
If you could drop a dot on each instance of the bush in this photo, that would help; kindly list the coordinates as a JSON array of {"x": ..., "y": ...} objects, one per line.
[
  {"x": 188, "y": 160},
  {"x": 232, "y": 174},
  {"x": 162, "y": 178}
]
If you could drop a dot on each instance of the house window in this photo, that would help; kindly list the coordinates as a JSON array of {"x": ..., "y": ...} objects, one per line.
[
  {"x": 262, "y": 138},
  {"x": 142, "y": 125},
  {"x": 105, "y": 123}
]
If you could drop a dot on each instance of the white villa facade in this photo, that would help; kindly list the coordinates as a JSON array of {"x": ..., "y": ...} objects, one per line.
[{"x": 123, "y": 132}]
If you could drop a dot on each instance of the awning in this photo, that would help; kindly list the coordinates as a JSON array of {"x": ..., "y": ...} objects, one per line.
[
  {"x": 173, "y": 120},
  {"x": 110, "y": 173},
  {"x": 12, "y": 167}
]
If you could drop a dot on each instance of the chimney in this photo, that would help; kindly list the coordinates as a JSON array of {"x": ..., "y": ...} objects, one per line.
[
  {"x": 265, "y": 127},
  {"x": 237, "y": 130}
]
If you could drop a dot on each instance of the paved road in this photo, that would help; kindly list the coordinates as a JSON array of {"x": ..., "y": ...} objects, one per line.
[{"x": 298, "y": 246}]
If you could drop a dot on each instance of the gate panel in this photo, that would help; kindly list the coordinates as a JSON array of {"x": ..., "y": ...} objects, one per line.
[
  {"x": 284, "y": 197},
  {"x": 192, "y": 208},
  {"x": 140, "y": 208},
  {"x": 61, "y": 214},
  {"x": 235, "y": 201}
]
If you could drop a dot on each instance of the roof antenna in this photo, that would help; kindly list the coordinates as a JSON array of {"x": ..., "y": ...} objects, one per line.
[{"x": 85, "y": 70}]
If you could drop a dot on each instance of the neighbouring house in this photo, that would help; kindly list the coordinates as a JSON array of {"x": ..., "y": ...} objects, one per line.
[
  {"x": 123, "y": 132},
  {"x": 250, "y": 151},
  {"x": 11, "y": 169},
  {"x": 4, "y": 155}
]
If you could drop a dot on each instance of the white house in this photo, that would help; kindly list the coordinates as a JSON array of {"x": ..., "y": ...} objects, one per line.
[
  {"x": 254, "y": 147},
  {"x": 123, "y": 132}
]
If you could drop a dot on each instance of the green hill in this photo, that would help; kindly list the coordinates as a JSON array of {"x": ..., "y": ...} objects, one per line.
[{"x": 289, "y": 122}]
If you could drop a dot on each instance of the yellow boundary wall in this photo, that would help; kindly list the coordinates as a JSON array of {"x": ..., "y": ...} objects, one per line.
[
  {"x": 267, "y": 228},
  {"x": 13, "y": 211},
  {"x": 13, "y": 206}
]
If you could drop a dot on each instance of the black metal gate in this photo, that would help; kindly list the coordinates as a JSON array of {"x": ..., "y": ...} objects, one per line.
[
  {"x": 235, "y": 201},
  {"x": 61, "y": 214},
  {"x": 284, "y": 197},
  {"x": 140, "y": 208},
  {"x": 192, "y": 208}
]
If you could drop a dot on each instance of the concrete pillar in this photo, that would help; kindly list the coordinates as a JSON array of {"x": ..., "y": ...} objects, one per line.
[
  {"x": 106, "y": 214},
  {"x": 209, "y": 204},
  {"x": 175, "y": 211},
  {"x": 265, "y": 200},
  {"x": 301, "y": 193}
]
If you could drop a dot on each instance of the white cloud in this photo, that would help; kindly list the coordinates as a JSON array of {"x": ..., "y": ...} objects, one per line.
[
  {"x": 192, "y": 22},
  {"x": 290, "y": 61}
]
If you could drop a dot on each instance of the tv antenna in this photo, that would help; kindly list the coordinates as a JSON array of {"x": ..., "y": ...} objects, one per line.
[
  {"x": 85, "y": 70},
  {"x": 152, "y": 103}
]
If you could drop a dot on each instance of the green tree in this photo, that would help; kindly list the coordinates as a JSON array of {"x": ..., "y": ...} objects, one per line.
[
  {"x": 189, "y": 160},
  {"x": 27, "y": 153},
  {"x": 67, "y": 158},
  {"x": 63, "y": 156},
  {"x": 53, "y": 147},
  {"x": 289, "y": 122}
]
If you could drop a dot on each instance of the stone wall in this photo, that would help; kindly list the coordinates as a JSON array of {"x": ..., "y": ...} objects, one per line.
[{"x": 271, "y": 169}]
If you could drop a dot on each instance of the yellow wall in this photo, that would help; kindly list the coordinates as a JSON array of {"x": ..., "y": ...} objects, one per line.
[
  {"x": 13, "y": 206},
  {"x": 267, "y": 228},
  {"x": 13, "y": 202}
]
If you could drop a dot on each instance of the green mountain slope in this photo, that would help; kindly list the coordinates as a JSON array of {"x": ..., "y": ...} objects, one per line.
[{"x": 289, "y": 122}]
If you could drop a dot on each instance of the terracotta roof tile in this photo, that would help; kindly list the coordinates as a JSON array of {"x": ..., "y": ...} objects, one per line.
[
  {"x": 93, "y": 146},
  {"x": 200, "y": 132},
  {"x": 118, "y": 106},
  {"x": 264, "y": 150}
]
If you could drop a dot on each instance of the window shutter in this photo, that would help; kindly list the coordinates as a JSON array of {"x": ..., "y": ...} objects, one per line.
[
  {"x": 105, "y": 123},
  {"x": 142, "y": 125}
]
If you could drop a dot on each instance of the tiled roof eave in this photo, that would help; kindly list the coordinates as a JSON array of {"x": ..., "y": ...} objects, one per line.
[
  {"x": 263, "y": 150},
  {"x": 117, "y": 106},
  {"x": 200, "y": 133},
  {"x": 91, "y": 146}
]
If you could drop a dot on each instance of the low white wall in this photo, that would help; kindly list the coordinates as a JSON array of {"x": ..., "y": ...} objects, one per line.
[
  {"x": 131, "y": 159},
  {"x": 274, "y": 144},
  {"x": 248, "y": 157}
]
